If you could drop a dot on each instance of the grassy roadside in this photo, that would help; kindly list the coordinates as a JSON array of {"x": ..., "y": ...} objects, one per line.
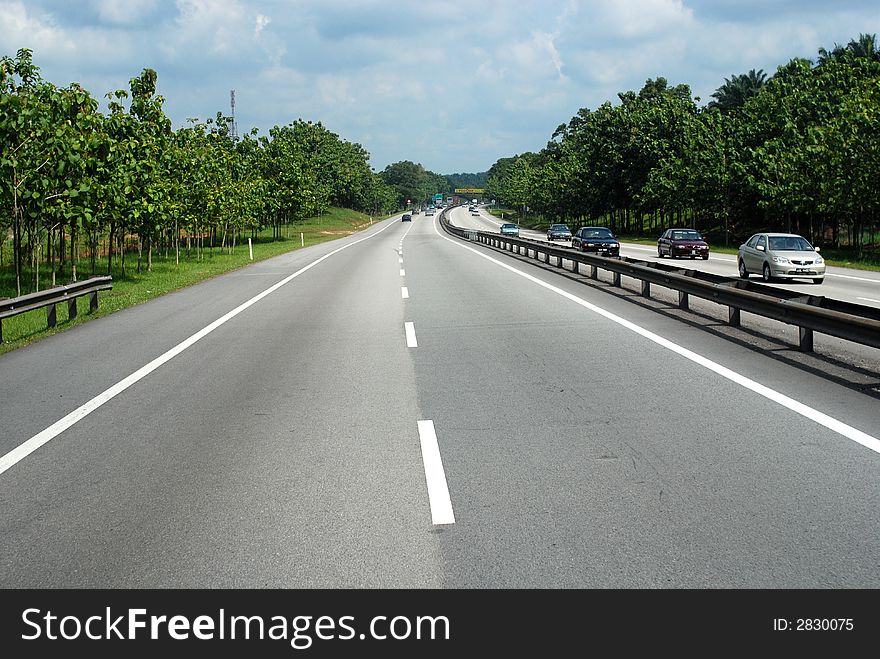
[
  {"x": 167, "y": 276},
  {"x": 840, "y": 258}
]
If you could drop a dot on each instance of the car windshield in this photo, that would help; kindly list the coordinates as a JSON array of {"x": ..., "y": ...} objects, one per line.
[
  {"x": 559, "y": 227},
  {"x": 598, "y": 233},
  {"x": 508, "y": 226},
  {"x": 686, "y": 235},
  {"x": 789, "y": 244}
]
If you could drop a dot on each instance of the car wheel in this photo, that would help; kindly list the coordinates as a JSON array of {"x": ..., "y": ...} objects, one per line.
[
  {"x": 818, "y": 280},
  {"x": 742, "y": 270},
  {"x": 765, "y": 273},
  {"x": 671, "y": 255},
  {"x": 705, "y": 257},
  {"x": 659, "y": 253}
]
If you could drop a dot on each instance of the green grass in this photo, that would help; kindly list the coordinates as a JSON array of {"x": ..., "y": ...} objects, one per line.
[{"x": 166, "y": 275}]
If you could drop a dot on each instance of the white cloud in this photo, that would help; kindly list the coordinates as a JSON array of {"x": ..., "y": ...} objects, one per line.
[
  {"x": 492, "y": 77},
  {"x": 19, "y": 29},
  {"x": 124, "y": 12}
]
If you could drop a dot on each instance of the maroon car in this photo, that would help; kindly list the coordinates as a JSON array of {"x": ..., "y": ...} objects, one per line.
[{"x": 682, "y": 242}]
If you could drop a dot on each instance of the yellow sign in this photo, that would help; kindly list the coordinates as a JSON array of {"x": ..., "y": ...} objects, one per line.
[{"x": 469, "y": 190}]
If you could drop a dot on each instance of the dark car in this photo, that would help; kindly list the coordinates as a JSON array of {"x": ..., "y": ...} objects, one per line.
[
  {"x": 596, "y": 239},
  {"x": 682, "y": 242},
  {"x": 406, "y": 218},
  {"x": 558, "y": 232}
]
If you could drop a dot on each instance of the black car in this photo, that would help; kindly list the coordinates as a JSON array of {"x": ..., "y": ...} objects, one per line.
[
  {"x": 596, "y": 239},
  {"x": 558, "y": 232},
  {"x": 406, "y": 218}
]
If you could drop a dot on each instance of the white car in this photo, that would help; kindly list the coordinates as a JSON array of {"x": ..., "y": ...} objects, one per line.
[{"x": 780, "y": 256}]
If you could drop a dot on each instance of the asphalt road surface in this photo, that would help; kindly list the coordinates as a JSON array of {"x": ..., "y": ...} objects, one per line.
[{"x": 401, "y": 408}]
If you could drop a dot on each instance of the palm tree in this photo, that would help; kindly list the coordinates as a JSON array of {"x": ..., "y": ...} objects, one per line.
[
  {"x": 865, "y": 47},
  {"x": 737, "y": 89}
]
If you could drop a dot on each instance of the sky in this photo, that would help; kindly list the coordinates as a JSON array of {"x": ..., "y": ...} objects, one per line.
[{"x": 452, "y": 85}]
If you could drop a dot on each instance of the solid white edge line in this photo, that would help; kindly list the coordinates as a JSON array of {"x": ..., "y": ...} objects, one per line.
[
  {"x": 868, "y": 299},
  {"x": 435, "y": 477},
  {"x": 821, "y": 418},
  {"x": 410, "y": 330},
  {"x": 404, "y": 292},
  {"x": 24, "y": 449}
]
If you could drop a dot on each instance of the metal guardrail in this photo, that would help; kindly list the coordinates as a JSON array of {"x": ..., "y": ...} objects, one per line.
[
  {"x": 809, "y": 313},
  {"x": 52, "y": 296}
]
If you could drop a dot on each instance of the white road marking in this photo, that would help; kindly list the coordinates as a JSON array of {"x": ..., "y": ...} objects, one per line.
[
  {"x": 868, "y": 299},
  {"x": 402, "y": 272},
  {"x": 438, "y": 489},
  {"x": 821, "y": 418},
  {"x": 24, "y": 449},
  {"x": 400, "y": 260},
  {"x": 410, "y": 330},
  {"x": 404, "y": 292}
]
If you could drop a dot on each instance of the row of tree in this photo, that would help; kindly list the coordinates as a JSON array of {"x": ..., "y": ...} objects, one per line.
[
  {"x": 72, "y": 177},
  {"x": 798, "y": 151}
]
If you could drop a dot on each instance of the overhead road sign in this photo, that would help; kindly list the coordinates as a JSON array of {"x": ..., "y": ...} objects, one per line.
[{"x": 471, "y": 190}]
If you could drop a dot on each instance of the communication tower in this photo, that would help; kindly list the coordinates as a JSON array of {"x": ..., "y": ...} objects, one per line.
[{"x": 233, "y": 128}]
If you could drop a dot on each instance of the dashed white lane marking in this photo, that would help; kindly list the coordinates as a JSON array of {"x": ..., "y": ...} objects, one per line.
[
  {"x": 438, "y": 489},
  {"x": 821, "y": 418},
  {"x": 402, "y": 272},
  {"x": 410, "y": 330},
  {"x": 404, "y": 292},
  {"x": 24, "y": 449}
]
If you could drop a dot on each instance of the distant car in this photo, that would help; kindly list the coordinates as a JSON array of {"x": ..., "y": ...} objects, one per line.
[
  {"x": 782, "y": 256},
  {"x": 429, "y": 211},
  {"x": 474, "y": 210},
  {"x": 596, "y": 239},
  {"x": 682, "y": 242},
  {"x": 406, "y": 218},
  {"x": 558, "y": 232},
  {"x": 509, "y": 229},
  {"x": 415, "y": 211}
]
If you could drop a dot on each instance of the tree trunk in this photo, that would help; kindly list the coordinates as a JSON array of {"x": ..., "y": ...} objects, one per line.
[
  {"x": 110, "y": 249},
  {"x": 74, "y": 252},
  {"x": 16, "y": 236}
]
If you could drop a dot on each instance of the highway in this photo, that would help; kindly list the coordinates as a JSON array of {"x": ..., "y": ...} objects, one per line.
[
  {"x": 847, "y": 284},
  {"x": 403, "y": 409}
]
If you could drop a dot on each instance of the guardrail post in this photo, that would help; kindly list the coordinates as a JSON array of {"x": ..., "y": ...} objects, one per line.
[
  {"x": 806, "y": 339},
  {"x": 646, "y": 288},
  {"x": 1, "y": 331},
  {"x": 93, "y": 301},
  {"x": 50, "y": 315},
  {"x": 559, "y": 261},
  {"x": 71, "y": 309},
  {"x": 616, "y": 279},
  {"x": 682, "y": 300},
  {"x": 576, "y": 267},
  {"x": 733, "y": 316},
  {"x": 594, "y": 272}
]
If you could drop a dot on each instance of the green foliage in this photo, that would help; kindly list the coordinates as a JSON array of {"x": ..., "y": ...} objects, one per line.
[
  {"x": 797, "y": 152},
  {"x": 70, "y": 174}
]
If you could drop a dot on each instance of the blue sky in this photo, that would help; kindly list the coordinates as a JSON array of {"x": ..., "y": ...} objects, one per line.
[{"x": 452, "y": 85}]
